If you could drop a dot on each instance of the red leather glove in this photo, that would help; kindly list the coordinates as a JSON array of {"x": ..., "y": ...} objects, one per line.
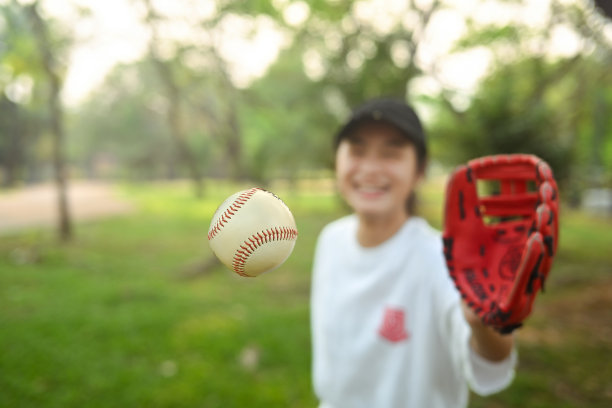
[{"x": 499, "y": 248}]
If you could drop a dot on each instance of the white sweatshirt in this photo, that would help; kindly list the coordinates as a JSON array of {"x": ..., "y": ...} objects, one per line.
[{"x": 388, "y": 330}]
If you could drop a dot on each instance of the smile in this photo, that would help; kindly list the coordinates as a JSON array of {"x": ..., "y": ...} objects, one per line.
[{"x": 370, "y": 191}]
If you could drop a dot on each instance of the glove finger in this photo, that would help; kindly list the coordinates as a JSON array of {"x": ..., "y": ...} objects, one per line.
[
  {"x": 462, "y": 219},
  {"x": 549, "y": 196},
  {"x": 543, "y": 171},
  {"x": 544, "y": 224},
  {"x": 461, "y": 198},
  {"x": 462, "y": 216},
  {"x": 547, "y": 193},
  {"x": 517, "y": 305}
]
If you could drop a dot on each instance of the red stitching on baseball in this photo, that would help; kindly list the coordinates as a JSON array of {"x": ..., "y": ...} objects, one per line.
[
  {"x": 231, "y": 210},
  {"x": 258, "y": 239}
]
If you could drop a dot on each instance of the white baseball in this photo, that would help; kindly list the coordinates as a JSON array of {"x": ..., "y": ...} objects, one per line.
[{"x": 252, "y": 232}]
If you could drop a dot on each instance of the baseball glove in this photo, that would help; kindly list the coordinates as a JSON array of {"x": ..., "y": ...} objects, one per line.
[{"x": 499, "y": 248}]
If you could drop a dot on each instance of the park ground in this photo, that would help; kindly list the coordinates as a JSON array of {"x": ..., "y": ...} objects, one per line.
[
  {"x": 34, "y": 206},
  {"x": 117, "y": 317}
]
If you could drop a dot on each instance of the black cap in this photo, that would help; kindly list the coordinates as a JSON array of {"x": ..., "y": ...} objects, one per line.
[{"x": 392, "y": 111}]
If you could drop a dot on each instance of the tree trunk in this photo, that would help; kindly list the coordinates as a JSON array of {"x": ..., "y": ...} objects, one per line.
[
  {"x": 234, "y": 144},
  {"x": 174, "y": 114},
  {"x": 12, "y": 130},
  {"x": 56, "y": 121},
  {"x": 175, "y": 124}
]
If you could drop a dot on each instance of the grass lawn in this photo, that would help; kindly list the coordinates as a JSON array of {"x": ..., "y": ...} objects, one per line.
[{"x": 111, "y": 320}]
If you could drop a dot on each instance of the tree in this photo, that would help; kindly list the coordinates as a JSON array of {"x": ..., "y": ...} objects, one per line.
[
  {"x": 508, "y": 114},
  {"x": 286, "y": 133},
  {"x": 196, "y": 82},
  {"x": 175, "y": 100},
  {"x": 13, "y": 129},
  {"x": 53, "y": 73},
  {"x": 119, "y": 131},
  {"x": 534, "y": 100},
  {"x": 18, "y": 67},
  {"x": 357, "y": 55}
]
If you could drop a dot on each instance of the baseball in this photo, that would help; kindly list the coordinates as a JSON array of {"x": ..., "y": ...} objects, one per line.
[{"x": 252, "y": 232}]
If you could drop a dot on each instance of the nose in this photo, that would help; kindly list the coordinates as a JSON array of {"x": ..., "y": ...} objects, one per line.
[{"x": 370, "y": 163}]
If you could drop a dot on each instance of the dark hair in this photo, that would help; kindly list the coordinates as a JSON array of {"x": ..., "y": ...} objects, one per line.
[
  {"x": 399, "y": 115},
  {"x": 392, "y": 111}
]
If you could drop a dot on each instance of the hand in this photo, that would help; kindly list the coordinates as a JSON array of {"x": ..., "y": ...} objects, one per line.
[
  {"x": 470, "y": 316},
  {"x": 485, "y": 340}
]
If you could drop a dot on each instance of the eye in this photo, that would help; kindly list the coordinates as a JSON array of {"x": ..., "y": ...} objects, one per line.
[{"x": 357, "y": 149}]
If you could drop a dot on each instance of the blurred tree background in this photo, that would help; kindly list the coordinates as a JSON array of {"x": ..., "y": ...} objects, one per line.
[
  {"x": 229, "y": 93},
  {"x": 181, "y": 110}
]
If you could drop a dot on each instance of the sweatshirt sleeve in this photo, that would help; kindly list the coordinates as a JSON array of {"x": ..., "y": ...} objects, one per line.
[{"x": 483, "y": 376}]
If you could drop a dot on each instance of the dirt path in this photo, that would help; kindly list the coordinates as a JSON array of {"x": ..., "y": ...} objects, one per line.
[{"x": 36, "y": 206}]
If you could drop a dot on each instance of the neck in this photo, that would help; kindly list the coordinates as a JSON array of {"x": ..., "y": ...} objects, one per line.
[{"x": 373, "y": 231}]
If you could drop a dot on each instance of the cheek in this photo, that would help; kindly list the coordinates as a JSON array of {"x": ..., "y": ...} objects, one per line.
[
  {"x": 343, "y": 178},
  {"x": 343, "y": 165},
  {"x": 407, "y": 175}
]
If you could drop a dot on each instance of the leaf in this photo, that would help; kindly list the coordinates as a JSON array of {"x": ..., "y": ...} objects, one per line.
[{"x": 489, "y": 35}]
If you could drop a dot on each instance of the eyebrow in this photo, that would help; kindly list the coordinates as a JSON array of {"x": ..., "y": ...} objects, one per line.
[{"x": 399, "y": 141}]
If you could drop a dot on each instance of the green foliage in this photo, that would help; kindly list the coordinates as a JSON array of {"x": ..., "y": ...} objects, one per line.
[
  {"x": 534, "y": 102},
  {"x": 18, "y": 61},
  {"x": 119, "y": 126},
  {"x": 18, "y": 51},
  {"x": 490, "y": 34},
  {"x": 281, "y": 125},
  {"x": 251, "y": 8},
  {"x": 13, "y": 133},
  {"x": 286, "y": 129},
  {"x": 24, "y": 85},
  {"x": 361, "y": 65},
  {"x": 531, "y": 106}
]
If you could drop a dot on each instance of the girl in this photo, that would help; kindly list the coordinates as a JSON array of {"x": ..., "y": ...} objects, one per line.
[{"x": 389, "y": 329}]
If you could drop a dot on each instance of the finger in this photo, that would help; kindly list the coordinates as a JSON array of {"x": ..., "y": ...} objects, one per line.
[{"x": 470, "y": 315}]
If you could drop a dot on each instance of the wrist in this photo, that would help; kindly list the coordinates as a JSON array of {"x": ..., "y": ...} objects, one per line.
[{"x": 489, "y": 343}]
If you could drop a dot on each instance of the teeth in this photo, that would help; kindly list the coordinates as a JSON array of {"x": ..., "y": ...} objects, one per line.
[{"x": 370, "y": 189}]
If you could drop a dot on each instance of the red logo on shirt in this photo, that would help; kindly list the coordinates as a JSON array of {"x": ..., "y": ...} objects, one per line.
[{"x": 393, "y": 326}]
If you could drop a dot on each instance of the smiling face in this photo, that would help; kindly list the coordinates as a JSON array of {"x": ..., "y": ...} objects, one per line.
[{"x": 376, "y": 171}]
